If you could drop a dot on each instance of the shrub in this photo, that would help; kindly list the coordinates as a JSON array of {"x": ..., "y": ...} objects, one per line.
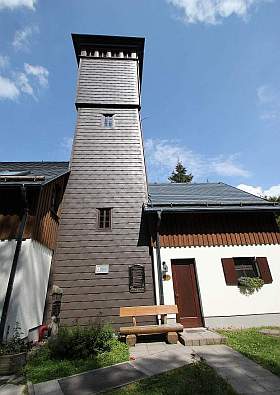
[
  {"x": 81, "y": 342},
  {"x": 15, "y": 344}
]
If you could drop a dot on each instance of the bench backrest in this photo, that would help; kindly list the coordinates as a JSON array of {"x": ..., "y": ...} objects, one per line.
[{"x": 138, "y": 311}]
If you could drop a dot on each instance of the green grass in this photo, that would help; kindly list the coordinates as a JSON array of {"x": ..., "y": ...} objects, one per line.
[
  {"x": 263, "y": 349},
  {"x": 196, "y": 379},
  {"x": 41, "y": 367}
]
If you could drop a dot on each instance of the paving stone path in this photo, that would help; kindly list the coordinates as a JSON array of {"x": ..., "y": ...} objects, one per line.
[
  {"x": 148, "y": 359},
  {"x": 11, "y": 385},
  {"x": 244, "y": 375}
]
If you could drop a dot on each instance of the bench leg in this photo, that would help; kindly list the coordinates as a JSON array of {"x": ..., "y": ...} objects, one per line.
[
  {"x": 130, "y": 340},
  {"x": 172, "y": 337}
]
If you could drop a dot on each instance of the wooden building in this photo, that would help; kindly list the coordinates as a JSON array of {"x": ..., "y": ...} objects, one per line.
[
  {"x": 30, "y": 198},
  {"x": 101, "y": 236}
]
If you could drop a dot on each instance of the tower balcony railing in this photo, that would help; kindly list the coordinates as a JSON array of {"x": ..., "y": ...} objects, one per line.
[{"x": 109, "y": 54}]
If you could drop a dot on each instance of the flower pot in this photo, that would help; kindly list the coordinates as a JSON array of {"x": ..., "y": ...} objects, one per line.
[{"x": 12, "y": 363}]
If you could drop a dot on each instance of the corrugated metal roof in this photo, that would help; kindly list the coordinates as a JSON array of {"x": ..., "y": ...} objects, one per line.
[
  {"x": 36, "y": 173},
  {"x": 209, "y": 196}
]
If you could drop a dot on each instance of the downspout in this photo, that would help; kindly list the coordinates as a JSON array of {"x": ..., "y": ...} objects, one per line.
[
  {"x": 159, "y": 270},
  {"x": 19, "y": 238}
]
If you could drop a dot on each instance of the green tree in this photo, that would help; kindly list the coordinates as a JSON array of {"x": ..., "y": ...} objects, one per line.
[
  {"x": 180, "y": 174},
  {"x": 275, "y": 199}
]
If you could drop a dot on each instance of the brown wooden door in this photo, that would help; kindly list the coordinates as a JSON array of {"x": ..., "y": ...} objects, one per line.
[{"x": 186, "y": 292}]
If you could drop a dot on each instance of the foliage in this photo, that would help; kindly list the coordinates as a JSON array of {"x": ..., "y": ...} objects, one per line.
[
  {"x": 81, "y": 342},
  {"x": 275, "y": 199},
  {"x": 75, "y": 350},
  {"x": 248, "y": 285},
  {"x": 263, "y": 349},
  {"x": 197, "y": 378},
  {"x": 180, "y": 174},
  {"x": 42, "y": 367},
  {"x": 14, "y": 344}
]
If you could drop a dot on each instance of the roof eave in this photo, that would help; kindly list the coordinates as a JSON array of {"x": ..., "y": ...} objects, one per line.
[{"x": 212, "y": 209}]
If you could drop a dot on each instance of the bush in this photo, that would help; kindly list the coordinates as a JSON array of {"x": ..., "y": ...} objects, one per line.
[
  {"x": 15, "y": 344},
  {"x": 81, "y": 342}
]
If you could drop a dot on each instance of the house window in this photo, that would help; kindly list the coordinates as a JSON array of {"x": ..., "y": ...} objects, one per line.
[
  {"x": 104, "y": 218},
  {"x": 245, "y": 267},
  {"x": 108, "y": 120},
  {"x": 234, "y": 268}
]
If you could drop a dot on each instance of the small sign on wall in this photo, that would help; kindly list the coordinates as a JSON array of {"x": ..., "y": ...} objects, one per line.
[
  {"x": 137, "y": 279},
  {"x": 101, "y": 269}
]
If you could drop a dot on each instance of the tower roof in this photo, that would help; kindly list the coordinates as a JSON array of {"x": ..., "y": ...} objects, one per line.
[{"x": 102, "y": 42}]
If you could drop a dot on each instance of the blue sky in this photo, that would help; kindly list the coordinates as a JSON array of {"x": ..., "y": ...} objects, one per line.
[{"x": 211, "y": 83}]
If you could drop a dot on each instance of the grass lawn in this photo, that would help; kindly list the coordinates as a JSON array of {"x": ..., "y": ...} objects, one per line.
[
  {"x": 41, "y": 367},
  {"x": 195, "y": 379},
  {"x": 263, "y": 349}
]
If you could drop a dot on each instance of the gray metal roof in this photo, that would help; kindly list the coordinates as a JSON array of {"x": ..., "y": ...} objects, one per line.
[
  {"x": 31, "y": 173},
  {"x": 204, "y": 196}
]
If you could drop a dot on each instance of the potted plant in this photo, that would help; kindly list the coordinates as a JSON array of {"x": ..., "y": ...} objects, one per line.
[
  {"x": 13, "y": 353},
  {"x": 249, "y": 285}
]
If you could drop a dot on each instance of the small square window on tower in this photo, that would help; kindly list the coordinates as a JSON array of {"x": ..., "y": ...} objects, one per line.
[
  {"x": 108, "y": 120},
  {"x": 104, "y": 218}
]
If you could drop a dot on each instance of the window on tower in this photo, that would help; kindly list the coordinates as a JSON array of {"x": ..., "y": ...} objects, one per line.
[
  {"x": 104, "y": 218},
  {"x": 108, "y": 120}
]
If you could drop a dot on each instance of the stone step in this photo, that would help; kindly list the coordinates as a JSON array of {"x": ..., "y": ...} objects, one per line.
[{"x": 200, "y": 337}]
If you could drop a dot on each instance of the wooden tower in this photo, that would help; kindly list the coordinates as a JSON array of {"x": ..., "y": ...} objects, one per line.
[{"x": 101, "y": 235}]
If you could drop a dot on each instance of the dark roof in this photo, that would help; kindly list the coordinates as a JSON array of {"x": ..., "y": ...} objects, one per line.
[
  {"x": 204, "y": 197},
  {"x": 90, "y": 41},
  {"x": 31, "y": 173}
]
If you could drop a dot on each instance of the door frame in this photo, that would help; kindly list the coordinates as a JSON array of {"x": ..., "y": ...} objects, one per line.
[{"x": 177, "y": 261}]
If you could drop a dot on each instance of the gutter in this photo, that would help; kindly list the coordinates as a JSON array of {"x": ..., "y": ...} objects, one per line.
[
  {"x": 159, "y": 271},
  {"x": 19, "y": 238},
  {"x": 213, "y": 209}
]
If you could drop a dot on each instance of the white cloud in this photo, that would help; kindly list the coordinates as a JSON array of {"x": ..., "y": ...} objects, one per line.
[
  {"x": 213, "y": 11},
  {"x": 29, "y": 82},
  {"x": 8, "y": 89},
  {"x": 258, "y": 191},
  {"x": 269, "y": 102},
  {"x": 4, "y": 61},
  {"x": 22, "y": 37},
  {"x": 162, "y": 156},
  {"x": 12, "y": 4},
  {"x": 24, "y": 85},
  {"x": 228, "y": 167},
  {"x": 39, "y": 72}
]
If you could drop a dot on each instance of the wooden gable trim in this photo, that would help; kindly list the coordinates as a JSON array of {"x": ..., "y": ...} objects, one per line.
[{"x": 206, "y": 230}]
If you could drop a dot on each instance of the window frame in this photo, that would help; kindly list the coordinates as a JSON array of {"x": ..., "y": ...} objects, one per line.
[
  {"x": 253, "y": 264},
  {"x": 102, "y": 211},
  {"x": 111, "y": 123}
]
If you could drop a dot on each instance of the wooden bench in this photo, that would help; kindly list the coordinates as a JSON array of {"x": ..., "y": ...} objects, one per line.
[{"x": 142, "y": 311}]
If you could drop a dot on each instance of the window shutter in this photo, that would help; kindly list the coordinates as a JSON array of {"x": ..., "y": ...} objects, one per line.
[
  {"x": 229, "y": 271},
  {"x": 264, "y": 270}
]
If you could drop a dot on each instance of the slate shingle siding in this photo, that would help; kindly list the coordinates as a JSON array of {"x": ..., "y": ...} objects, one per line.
[{"x": 107, "y": 170}]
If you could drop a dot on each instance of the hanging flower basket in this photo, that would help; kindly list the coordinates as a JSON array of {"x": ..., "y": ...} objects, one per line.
[{"x": 249, "y": 285}]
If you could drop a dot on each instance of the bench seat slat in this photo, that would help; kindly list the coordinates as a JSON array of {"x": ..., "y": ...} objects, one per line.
[
  {"x": 145, "y": 330},
  {"x": 138, "y": 311}
]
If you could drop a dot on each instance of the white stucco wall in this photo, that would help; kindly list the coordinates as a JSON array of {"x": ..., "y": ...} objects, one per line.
[
  {"x": 30, "y": 287},
  {"x": 217, "y": 298}
]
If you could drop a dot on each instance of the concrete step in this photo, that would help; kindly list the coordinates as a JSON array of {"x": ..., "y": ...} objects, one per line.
[{"x": 200, "y": 337}]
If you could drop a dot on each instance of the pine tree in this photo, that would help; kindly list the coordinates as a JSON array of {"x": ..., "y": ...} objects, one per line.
[{"x": 180, "y": 174}]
